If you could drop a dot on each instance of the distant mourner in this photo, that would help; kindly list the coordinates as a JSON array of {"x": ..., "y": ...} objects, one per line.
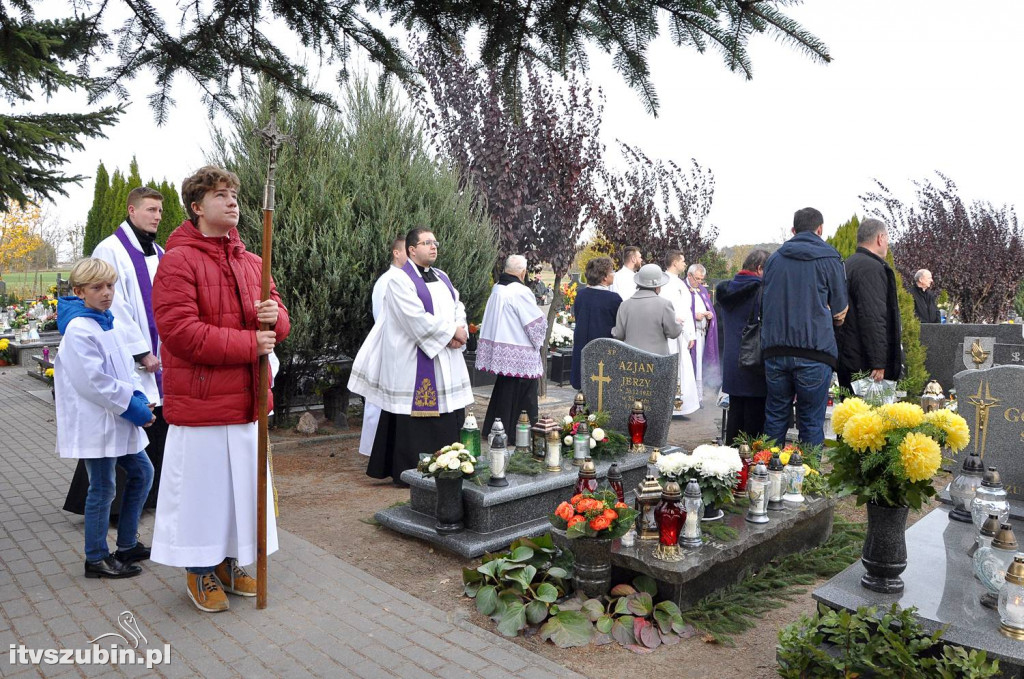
[
  {"x": 511, "y": 337},
  {"x": 411, "y": 364},
  {"x": 646, "y": 320},
  {"x": 926, "y": 308},
  {"x": 594, "y": 310}
]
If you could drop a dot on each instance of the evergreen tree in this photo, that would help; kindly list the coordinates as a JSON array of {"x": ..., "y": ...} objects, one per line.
[
  {"x": 915, "y": 376},
  {"x": 221, "y": 46},
  {"x": 347, "y": 184},
  {"x": 95, "y": 216},
  {"x": 174, "y": 211}
]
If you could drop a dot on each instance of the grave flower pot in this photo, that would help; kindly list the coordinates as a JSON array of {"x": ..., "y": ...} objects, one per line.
[
  {"x": 593, "y": 572},
  {"x": 448, "y": 510},
  {"x": 885, "y": 549}
]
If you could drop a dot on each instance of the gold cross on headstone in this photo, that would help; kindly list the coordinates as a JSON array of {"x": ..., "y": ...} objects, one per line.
[
  {"x": 981, "y": 407},
  {"x": 600, "y": 379}
]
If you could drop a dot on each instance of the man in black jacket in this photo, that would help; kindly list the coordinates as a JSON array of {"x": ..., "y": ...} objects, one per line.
[
  {"x": 870, "y": 338},
  {"x": 925, "y": 307}
]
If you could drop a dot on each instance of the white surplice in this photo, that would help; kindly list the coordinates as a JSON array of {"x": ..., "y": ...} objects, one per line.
[
  {"x": 512, "y": 333},
  {"x": 129, "y": 309},
  {"x": 384, "y": 370},
  {"x": 624, "y": 283},
  {"x": 371, "y": 412},
  {"x": 207, "y": 507},
  {"x": 677, "y": 293},
  {"x": 93, "y": 382}
]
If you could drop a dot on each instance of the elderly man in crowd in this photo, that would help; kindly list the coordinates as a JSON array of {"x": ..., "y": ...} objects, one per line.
[
  {"x": 645, "y": 320},
  {"x": 926, "y": 308},
  {"x": 511, "y": 336},
  {"x": 704, "y": 353}
]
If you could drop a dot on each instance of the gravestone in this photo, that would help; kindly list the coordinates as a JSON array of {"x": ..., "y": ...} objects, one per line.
[
  {"x": 992, "y": 402},
  {"x": 949, "y": 347},
  {"x": 614, "y": 375}
]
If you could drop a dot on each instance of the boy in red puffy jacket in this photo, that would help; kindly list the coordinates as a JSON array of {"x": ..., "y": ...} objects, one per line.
[{"x": 206, "y": 299}]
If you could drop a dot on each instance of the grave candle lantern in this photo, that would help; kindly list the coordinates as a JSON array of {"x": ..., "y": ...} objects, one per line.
[
  {"x": 469, "y": 435},
  {"x": 670, "y": 515},
  {"x": 586, "y": 481},
  {"x": 932, "y": 398},
  {"x": 523, "y": 433},
  {"x": 553, "y": 455},
  {"x": 693, "y": 505},
  {"x": 991, "y": 563},
  {"x": 757, "y": 492},
  {"x": 579, "y": 405},
  {"x": 581, "y": 445},
  {"x": 497, "y": 454},
  {"x": 794, "y": 479},
  {"x": 746, "y": 458},
  {"x": 648, "y": 495},
  {"x": 615, "y": 482},
  {"x": 637, "y": 426},
  {"x": 964, "y": 487},
  {"x": 46, "y": 353},
  {"x": 541, "y": 430},
  {"x": 1011, "y": 601},
  {"x": 990, "y": 498},
  {"x": 776, "y": 480},
  {"x": 985, "y": 535}
]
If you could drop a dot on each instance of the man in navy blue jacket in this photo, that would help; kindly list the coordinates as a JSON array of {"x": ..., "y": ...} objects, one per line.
[{"x": 804, "y": 298}]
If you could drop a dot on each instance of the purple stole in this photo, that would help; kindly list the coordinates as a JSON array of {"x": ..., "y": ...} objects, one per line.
[
  {"x": 424, "y": 400},
  {"x": 710, "y": 345},
  {"x": 146, "y": 288}
]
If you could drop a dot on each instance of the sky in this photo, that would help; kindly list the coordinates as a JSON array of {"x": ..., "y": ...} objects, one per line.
[{"x": 915, "y": 87}]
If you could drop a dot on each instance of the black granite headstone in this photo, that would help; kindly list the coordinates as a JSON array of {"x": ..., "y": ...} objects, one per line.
[
  {"x": 614, "y": 375},
  {"x": 946, "y": 352}
]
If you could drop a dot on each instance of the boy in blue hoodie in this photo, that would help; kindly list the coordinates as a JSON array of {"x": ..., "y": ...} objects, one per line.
[{"x": 100, "y": 412}]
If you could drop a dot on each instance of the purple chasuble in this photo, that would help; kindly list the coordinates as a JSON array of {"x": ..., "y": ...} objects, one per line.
[
  {"x": 711, "y": 338},
  {"x": 146, "y": 288},
  {"x": 424, "y": 400}
]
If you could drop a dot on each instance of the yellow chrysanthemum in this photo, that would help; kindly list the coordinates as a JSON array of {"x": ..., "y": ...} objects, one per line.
[
  {"x": 49, "y": 372},
  {"x": 958, "y": 434},
  {"x": 865, "y": 431},
  {"x": 920, "y": 456},
  {"x": 845, "y": 410},
  {"x": 902, "y": 415},
  {"x": 4, "y": 343},
  {"x": 784, "y": 456}
]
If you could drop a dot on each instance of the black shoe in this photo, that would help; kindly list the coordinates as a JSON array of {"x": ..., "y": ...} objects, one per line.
[
  {"x": 139, "y": 552},
  {"x": 111, "y": 567}
]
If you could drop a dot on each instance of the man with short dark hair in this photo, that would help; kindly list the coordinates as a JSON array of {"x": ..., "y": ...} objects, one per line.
[
  {"x": 134, "y": 254},
  {"x": 804, "y": 296},
  {"x": 624, "y": 284},
  {"x": 926, "y": 308},
  {"x": 869, "y": 340},
  {"x": 371, "y": 413},
  {"x": 411, "y": 363}
]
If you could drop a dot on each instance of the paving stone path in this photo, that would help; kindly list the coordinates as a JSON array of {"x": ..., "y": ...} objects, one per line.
[{"x": 325, "y": 617}]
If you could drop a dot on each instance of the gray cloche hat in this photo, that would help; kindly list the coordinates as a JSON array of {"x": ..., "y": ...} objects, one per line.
[{"x": 650, "y": 276}]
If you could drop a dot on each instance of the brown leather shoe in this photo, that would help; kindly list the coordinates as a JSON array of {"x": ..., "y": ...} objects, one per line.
[
  {"x": 234, "y": 579},
  {"x": 206, "y": 593}
]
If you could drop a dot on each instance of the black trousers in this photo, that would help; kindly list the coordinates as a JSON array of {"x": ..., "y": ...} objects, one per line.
[
  {"x": 510, "y": 397},
  {"x": 746, "y": 414}
]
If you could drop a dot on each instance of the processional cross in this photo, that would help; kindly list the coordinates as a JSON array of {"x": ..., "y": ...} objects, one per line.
[{"x": 600, "y": 378}]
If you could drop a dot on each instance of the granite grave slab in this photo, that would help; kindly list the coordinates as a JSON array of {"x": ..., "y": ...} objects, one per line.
[
  {"x": 719, "y": 564},
  {"x": 496, "y": 516},
  {"x": 945, "y": 344},
  {"x": 940, "y": 583},
  {"x": 614, "y": 375}
]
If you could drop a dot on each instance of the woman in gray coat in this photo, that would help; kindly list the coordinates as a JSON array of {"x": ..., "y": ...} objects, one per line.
[{"x": 645, "y": 320}]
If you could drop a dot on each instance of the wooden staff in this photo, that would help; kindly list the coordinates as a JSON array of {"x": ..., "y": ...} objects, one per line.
[{"x": 273, "y": 137}]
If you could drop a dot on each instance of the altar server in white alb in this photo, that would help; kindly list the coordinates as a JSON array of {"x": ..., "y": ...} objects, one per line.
[
  {"x": 99, "y": 414},
  {"x": 371, "y": 412},
  {"x": 206, "y": 297},
  {"x": 511, "y": 336},
  {"x": 411, "y": 363},
  {"x": 134, "y": 254},
  {"x": 676, "y": 292}
]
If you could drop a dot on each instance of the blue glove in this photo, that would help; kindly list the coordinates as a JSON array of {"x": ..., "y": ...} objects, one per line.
[{"x": 138, "y": 412}]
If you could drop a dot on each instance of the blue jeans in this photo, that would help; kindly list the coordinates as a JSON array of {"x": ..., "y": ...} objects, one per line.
[
  {"x": 809, "y": 380},
  {"x": 102, "y": 488}
]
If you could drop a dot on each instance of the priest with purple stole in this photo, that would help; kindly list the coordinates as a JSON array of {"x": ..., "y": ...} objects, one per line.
[
  {"x": 134, "y": 254},
  {"x": 411, "y": 364},
  {"x": 705, "y": 352}
]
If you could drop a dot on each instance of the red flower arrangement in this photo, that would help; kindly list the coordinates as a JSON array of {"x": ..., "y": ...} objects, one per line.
[{"x": 594, "y": 515}]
